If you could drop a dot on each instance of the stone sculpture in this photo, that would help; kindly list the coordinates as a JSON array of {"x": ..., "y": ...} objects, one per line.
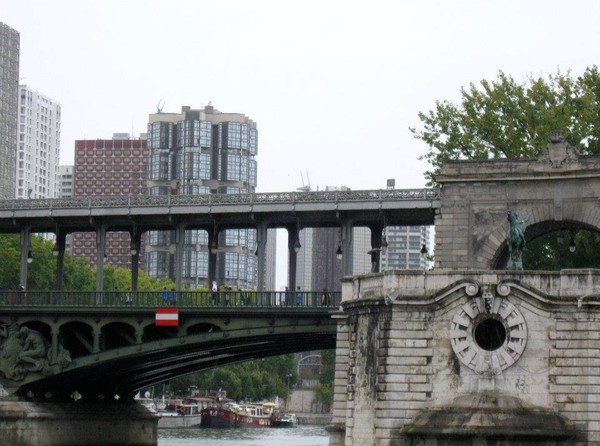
[
  {"x": 23, "y": 350},
  {"x": 516, "y": 240}
]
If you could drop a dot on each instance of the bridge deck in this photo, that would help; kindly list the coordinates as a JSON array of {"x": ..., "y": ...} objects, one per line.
[
  {"x": 182, "y": 299},
  {"x": 410, "y": 206}
]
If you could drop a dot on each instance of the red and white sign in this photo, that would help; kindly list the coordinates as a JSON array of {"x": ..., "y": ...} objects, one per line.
[{"x": 167, "y": 317}]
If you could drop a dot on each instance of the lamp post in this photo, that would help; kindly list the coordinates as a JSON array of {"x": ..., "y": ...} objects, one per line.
[{"x": 287, "y": 404}]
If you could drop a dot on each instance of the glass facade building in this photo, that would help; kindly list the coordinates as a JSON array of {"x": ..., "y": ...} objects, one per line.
[
  {"x": 203, "y": 151},
  {"x": 9, "y": 109}
]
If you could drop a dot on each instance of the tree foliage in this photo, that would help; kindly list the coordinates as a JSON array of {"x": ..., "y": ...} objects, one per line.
[
  {"x": 507, "y": 119},
  {"x": 560, "y": 250},
  {"x": 263, "y": 379},
  {"x": 78, "y": 276}
]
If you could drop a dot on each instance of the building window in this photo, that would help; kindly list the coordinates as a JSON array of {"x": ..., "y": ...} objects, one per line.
[
  {"x": 205, "y": 134},
  {"x": 234, "y": 135},
  {"x": 233, "y": 167},
  {"x": 253, "y": 141}
]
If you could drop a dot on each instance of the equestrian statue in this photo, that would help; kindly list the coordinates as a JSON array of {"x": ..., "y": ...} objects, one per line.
[{"x": 516, "y": 240}]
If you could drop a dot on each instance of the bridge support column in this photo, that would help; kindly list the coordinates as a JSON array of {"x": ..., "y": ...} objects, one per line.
[
  {"x": 100, "y": 246},
  {"x": 261, "y": 248},
  {"x": 179, "y": 242},
  {"x": 135, "y": 243},
  {"x": 347, "y": 247},
  {"x": 213, "y": 245},
  {"x": 293, "y": 246},
  {"x": 60, "y": 259},
  {"x": 49, "y": 424},
  {"x": 376, "y": 237},
  {"x": 25, "y": 253}
]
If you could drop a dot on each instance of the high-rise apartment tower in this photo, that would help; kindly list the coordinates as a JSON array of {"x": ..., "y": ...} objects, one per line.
[
  {"x": 38, "y": 160},
  {"x": 9, "y": 109},
  {"x": 203, "y": 151}
]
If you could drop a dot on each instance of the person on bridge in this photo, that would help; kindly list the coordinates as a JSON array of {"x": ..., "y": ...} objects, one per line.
[
  {"x": 214, "y": 293},
  {"x": 165, "y": 296},
  {"x": 298, "y": 296},
  {"x": 22, "y": 295},
  {"x": 325, "y": 297}
]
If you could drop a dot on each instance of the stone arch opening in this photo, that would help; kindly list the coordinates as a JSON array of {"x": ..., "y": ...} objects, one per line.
[
  {"x": 546, "y": 235},
  {"x": 202, "y": 328},
  {"x": 77, "y": 338},
  {"x": 117, "y": 334}
]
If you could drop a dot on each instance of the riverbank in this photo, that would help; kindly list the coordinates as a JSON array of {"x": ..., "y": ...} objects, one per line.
[{"x": 317, "y": 419}]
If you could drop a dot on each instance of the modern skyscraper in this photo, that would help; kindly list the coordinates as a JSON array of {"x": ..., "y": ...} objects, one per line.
[
  {"x": 407, "y": 245},
  {"x": 39, "y": 145},
  {"x": 202, "y": 151},
  {"x": 109, "y": 167},
  {"x": 9, "y": 109},
  {"x": 404, "y": 247},
  {"x": 65, "y": 189},
  {"x": 317, "y": 267}
]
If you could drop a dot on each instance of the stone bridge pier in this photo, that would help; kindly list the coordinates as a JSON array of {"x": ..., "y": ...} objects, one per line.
[
  {"x": 468, "y": 358},
  {"x": 25, "y": 423},
  {"x": 470, "y": 353}
]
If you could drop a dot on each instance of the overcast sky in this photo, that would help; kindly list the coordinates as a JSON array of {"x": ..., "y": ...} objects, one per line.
[{"x": 332, "y": 85}]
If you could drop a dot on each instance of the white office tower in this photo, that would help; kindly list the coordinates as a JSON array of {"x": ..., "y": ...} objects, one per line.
[
  {"x": 9, "y": 110},
  {"x": 38, "y": 154},
  {"x": 66, "y": 181},
  {"x": 408, "y": 246}
]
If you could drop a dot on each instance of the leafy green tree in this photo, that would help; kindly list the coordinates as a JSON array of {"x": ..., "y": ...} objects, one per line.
[
  {"x": 78, "y": 276},
  {"x": 327, "y": 367},
  {"x": 507, "y": 119},
  {"x": 559, "y": 250},
  {"x": 324, "y": 393},
  {"x": 263, "y": 379},
  {"x": 11, "y": 255}
]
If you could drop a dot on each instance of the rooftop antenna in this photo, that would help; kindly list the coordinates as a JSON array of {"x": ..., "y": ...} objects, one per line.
[
  {"x": 305, "y": 187},
  {"x": 159, "y": 106}
]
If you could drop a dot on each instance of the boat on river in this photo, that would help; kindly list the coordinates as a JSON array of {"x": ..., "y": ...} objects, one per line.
[
  {"x": 284, "y": 419},
  {"x": 230, "y": 414},
  {"x": 176, "y": 413}
]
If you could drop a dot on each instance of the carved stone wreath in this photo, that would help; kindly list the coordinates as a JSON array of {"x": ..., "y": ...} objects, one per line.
[{"x": 488, "y": 334}]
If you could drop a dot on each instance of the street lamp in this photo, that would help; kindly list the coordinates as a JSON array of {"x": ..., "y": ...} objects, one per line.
[{"x": 289, "y": 375}]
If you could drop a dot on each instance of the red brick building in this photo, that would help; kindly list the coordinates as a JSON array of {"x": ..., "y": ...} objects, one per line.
[{"x": 115, "y": 166}]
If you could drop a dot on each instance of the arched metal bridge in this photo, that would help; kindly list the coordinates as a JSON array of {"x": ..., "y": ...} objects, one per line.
[{"x": 99, "y": 346}]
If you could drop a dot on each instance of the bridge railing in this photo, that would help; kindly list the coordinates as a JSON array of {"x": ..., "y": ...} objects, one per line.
[
  {"x": 216, "y": 199},
  {"x": 154, "y": 299}
]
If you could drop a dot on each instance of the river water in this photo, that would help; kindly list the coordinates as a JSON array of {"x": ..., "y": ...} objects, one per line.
[{"x": 303, "y": 435}]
